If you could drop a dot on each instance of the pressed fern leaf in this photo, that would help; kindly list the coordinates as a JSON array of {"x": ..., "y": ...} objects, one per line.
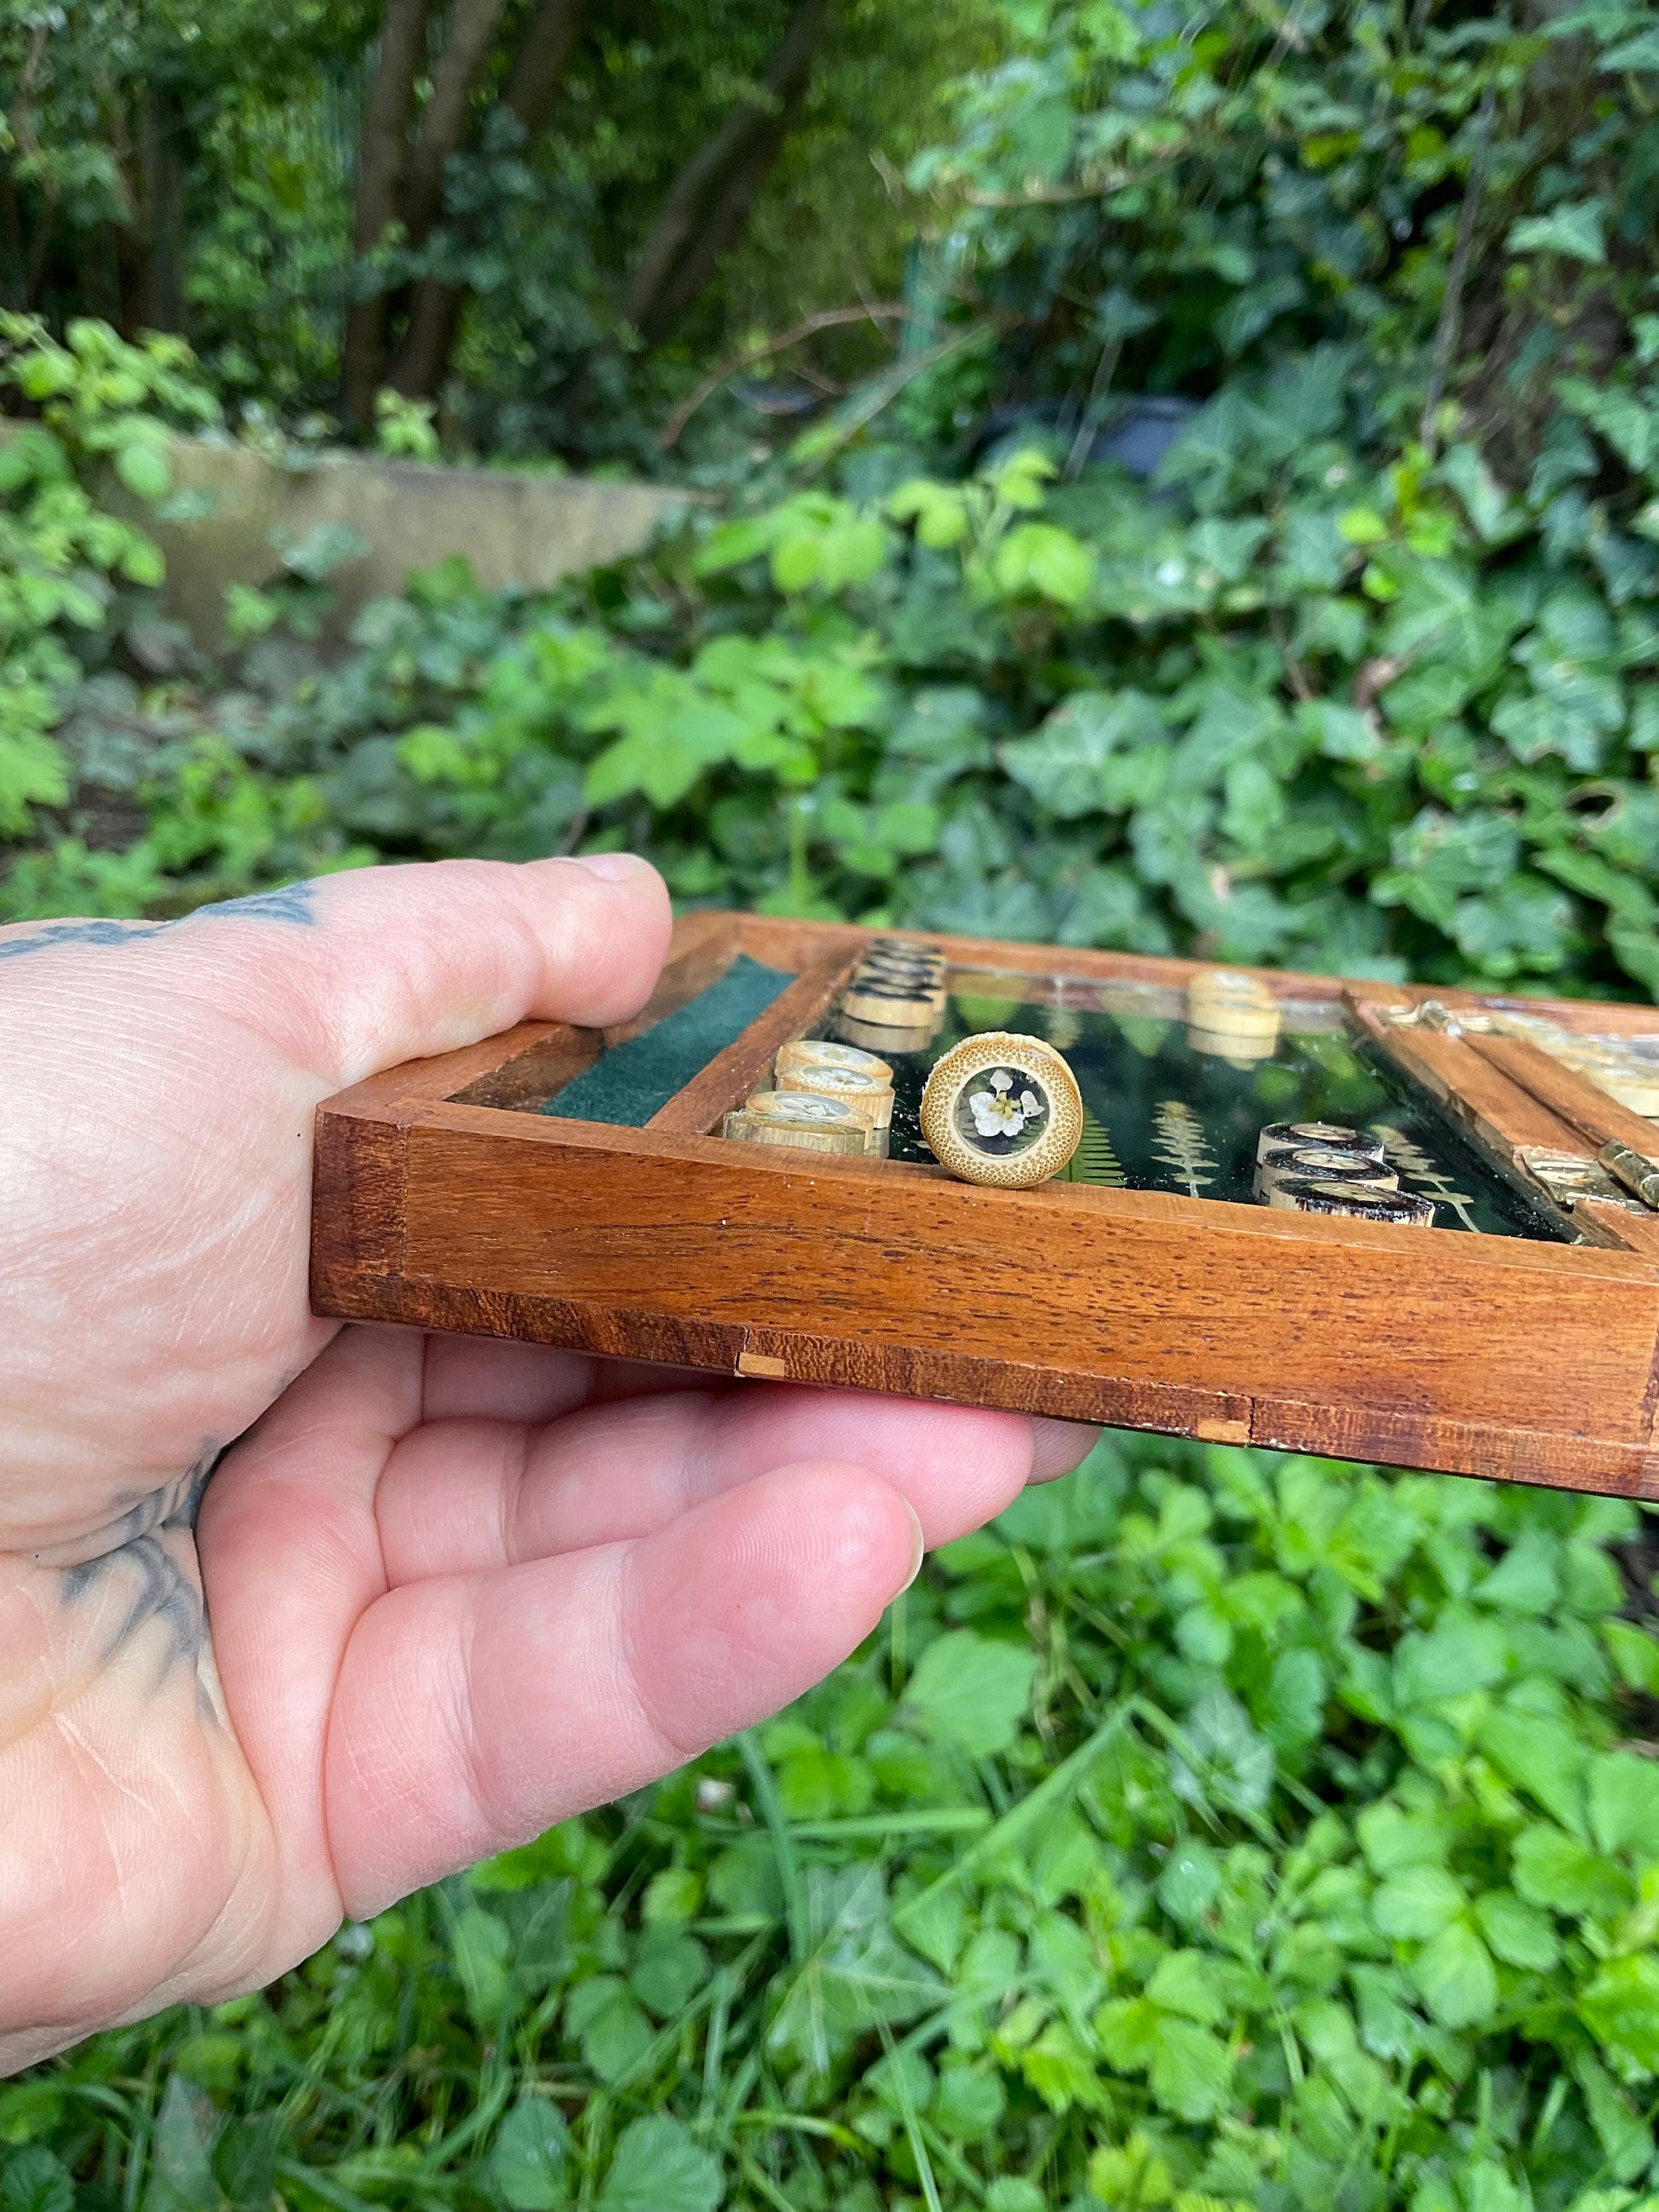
[
  {"x": 1414, "y": 1168},
  {"x": 1094, "y": 1160},
  {"x": 1181, "y": 1145}
]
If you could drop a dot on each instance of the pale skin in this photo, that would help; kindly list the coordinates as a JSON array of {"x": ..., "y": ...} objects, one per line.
[{"x": 295, "y": 1618}]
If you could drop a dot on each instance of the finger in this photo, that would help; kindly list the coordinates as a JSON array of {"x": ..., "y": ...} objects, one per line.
[
  {"x": 473, "y": 1712},
  {"x": 476, "y": 1495},
  {"x": 470, "y": 1375},
  {"x": 1058, "y": 1447},
  {"x": 379, "y": 965}
]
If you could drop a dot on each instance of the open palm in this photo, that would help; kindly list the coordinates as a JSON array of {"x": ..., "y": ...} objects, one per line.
[{"x": 457, "y": 1590}]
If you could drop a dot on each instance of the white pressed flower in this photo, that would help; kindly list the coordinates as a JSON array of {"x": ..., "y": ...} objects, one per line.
[
  {"x": 995, "y": 1115},
  {"x": 1001, "y": 1080}
]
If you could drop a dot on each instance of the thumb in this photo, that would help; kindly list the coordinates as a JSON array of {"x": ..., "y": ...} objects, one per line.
[{"x": 350, "y": 974}]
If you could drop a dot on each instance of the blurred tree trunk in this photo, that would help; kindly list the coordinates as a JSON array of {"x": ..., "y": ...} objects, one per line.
[
  {"x": 707, "y": 204},
  {"x": 435, "y": 313},
  {"x": 382, "y": 154},
  {"x": 402, "y": 180}
]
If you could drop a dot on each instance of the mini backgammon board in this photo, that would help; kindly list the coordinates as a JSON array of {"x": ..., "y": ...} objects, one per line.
[{"x": 573, "y": 1187}]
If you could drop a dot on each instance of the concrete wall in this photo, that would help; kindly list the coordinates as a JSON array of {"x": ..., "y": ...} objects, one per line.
[{"x": 528, "y": 530}]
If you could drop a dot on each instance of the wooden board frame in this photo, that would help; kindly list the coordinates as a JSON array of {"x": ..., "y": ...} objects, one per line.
[{"x": 439, "y": 1204}]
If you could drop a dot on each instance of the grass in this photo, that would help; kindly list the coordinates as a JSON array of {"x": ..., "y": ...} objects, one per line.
[{"x": 1217, "y": 1831}]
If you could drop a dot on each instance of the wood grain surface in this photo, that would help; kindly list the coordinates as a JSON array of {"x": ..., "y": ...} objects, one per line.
[{"x": 438, "y": 1208}]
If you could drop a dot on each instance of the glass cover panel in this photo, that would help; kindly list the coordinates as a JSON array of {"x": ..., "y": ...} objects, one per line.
[{"x": 1162, "y": 1116}]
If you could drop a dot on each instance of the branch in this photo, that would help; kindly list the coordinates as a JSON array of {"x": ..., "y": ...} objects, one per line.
[
  {"x": 382, "y": 147},
  {"x": 448, "y": 111},
  {"x": 714, "y": 189},
  {"x": 548, "y": 36},
  {"x": 828, "y": 318},
  {"x": 1449, "y": 326},
  {"x": 436, "y": 308}
]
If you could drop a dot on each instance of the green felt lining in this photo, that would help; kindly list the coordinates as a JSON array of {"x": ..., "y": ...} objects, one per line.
[{"x": 628, "y": 1085}]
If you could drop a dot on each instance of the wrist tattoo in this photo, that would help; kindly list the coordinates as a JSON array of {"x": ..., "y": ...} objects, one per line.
[
  {"x": 293, "y": 903},
  {"x": 144, "y": 1565}
]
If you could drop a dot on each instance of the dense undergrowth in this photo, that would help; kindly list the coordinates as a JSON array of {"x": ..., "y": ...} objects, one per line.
[{"x": 1216, "y": 1831}]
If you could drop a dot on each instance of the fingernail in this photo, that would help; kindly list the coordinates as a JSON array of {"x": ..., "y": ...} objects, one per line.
[
  {"x": 918, "y": 1549},
  {"x": 611, "y": 867}
]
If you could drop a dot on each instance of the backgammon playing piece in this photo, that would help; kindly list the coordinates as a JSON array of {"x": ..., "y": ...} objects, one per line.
[
  {"x": 896, "y": 1005},
  {"x": 881, "y": 1037},
  {"x": 823, "y": 1052},
  {"x": 1359, "y": 1201},
  {"x": 1325, "y": 1159},
  {"x": 1221, "y": 1002},
  {"x": 870, "y": 1096},
  {"x": 1288, "y": 1136},
  {"x": 1325, "y": 1163},
  {"x": 803, "y": 1119},
  {"x": 1004, "y": 1110}
]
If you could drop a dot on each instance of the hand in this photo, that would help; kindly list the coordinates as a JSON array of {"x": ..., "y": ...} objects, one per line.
[{"x": 458, "y": 1591}]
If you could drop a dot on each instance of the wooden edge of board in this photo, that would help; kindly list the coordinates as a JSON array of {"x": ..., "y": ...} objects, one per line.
[
  {"x": 1596, "y": 1117},
  {"x": 1493, "y": 1095},
  {"x": 729, "y": 1076},
  {"x": 1386, "y": 1434},
  {"x": 905, "y": 1187}
]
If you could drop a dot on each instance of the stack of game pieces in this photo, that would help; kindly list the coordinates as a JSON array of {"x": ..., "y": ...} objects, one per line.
[
  {"x": 830, "y": 1098},
  {"x": 896, "y": 1000},
  {"x": 1322, "y": 1167},
  {"x": 1231, "y": 1015}
]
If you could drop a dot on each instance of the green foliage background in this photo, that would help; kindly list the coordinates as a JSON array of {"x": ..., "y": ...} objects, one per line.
[{"x": 1218, "y": 1830}]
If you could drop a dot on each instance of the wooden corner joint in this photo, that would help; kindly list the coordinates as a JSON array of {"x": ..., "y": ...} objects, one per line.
[
  {"x": 1216, "y": 1430},
  {"x": 761, "y": 1367}
]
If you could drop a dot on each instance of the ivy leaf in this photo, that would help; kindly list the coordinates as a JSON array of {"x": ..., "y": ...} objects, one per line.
[
  {"x": 659, "y": 2168},
  {"x": 181, "y": 2177},
  {"x": 1573, "y": 229},
  {"x": 479, "y": 1944},
  {"x": 1233, "y": 1766},
  {"x": 143, "y": 467},
  {"x": 856, "y": 1974},
  {"x": 1041, "y": 558},
  {"x": 1062, "y": 765}
]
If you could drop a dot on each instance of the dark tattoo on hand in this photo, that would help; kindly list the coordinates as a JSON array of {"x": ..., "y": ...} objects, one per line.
[
  {"x": 156, "y": 1586},
  {"x": 148, "y": 1557},
  {"x": 294, "y": 902}
]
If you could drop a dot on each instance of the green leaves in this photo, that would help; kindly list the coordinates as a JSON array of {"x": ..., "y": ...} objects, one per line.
[
  {"x": 971, "y": 1693},
  {"x": 1574, "y": 229},
  {"x": 659, "y": 2168},
  {"x": 1066, "y": 765},
  {"x": 1167, "y": 2035},
  {"x": 1454, "y": 1973},
  {"x": 33, "y": 2181},
  {"x": 527, "y": 2164},
  {"x": 1620, "y": 2008}
]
